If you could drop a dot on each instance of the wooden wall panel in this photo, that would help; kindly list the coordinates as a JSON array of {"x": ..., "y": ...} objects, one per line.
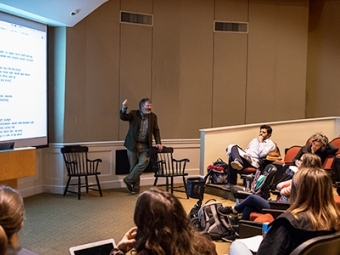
[
  {"x": 230, "y": 79},
  {"x": 166, "y": 87},
  {"x": 231, "y": 10},
  {"x": 230, "y": 66},
  {"x": 102, "y": 73},
  {"x": 135, "y": 67},
  {"x": 291, "y": 60},
  {"x": 196, "y": 58},
  {"x": 323, "y": 74},
  {"x": 195, "y": 77},
  {"x": 277, "y": 60},
  {"x": 140, "y": 6}
]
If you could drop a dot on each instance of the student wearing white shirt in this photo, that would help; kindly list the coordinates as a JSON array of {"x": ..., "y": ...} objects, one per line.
[{"x": 257, "y": 149}]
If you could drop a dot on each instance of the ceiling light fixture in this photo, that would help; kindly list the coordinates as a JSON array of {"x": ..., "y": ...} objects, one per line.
[{"x": 75, "y": 12}]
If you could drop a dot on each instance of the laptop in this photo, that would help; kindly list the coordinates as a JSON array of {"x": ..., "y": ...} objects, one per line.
[
  {"x": 7, "y": 146},
  {"x": 103, "y": 247}
]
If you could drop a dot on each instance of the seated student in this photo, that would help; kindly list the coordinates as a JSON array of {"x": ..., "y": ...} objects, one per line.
[
  {"x": 12, "y": 215},
  {"x": 163, "y": 228},
  {"x": 319, "y": 146},
  {"x": 255, "y": 203},
  {"x": 258, "y": 148},
  {"x": 312, "y": 213}
]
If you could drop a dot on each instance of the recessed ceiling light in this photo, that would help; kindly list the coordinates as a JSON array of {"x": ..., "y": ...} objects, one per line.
[{"x": 75, "y": 12}]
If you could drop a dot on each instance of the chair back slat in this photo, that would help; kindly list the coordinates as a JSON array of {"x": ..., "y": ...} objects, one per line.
[{"x": 75, "y": 158}]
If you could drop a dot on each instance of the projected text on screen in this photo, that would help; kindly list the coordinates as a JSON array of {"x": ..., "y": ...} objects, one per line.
[{"x": 23, "y": 78}]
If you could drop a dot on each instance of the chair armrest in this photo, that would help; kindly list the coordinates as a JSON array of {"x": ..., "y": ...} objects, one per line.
[
  {"x": 274, "y": 212},
  {"x": 93, "y": 165},
  {"x": 278, "y": 206},
  {"x": 181, "y": 160},
  {"x": 249, "y": 228},
  {"x": 94, "y": 160}
]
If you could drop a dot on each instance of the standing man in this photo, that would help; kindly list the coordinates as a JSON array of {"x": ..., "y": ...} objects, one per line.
[
  {"x": 142, "y": 125},
  {"x": 257, "y": 149}
]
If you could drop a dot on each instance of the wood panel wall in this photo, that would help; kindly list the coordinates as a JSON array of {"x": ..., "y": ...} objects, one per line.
[{"x": 197, "y": 78}]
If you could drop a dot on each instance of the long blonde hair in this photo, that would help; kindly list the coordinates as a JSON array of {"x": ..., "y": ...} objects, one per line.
[
  {"x": 312, "y": 193},
  {"x": 11, "y": 216}
]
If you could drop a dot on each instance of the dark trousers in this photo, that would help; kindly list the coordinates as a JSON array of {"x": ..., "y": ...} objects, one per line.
[{"x": 232, "y": 173}]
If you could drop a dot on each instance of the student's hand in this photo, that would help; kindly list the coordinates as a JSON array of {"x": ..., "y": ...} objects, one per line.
[
  {"x": 260, "y": 138},
  {"x": 128, "y": 240},
  {"x": 125, "y": 103},
  {"x": 160, "y": 147},
  {"x": 298, "y": 163}
]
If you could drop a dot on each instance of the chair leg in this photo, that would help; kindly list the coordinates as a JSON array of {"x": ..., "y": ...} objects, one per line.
[
  {"x": 99, "y": 188},
  {"x": 155, "y": 182},
  {"x": 185, "y": 186},
  {"x": 87, "y": 184},
  {"x": 172, "y": 185},
  {"x": 67, "y": 184},
  {"x": 79, "y": 184},
  {"x": 167, "y": 183}
]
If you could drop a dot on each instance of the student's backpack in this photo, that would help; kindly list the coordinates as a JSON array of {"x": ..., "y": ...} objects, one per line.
[
  {"x": 219, "y": 172},
  {"x": 210, "y": 221},
  {"x": 288, "y": 175}
]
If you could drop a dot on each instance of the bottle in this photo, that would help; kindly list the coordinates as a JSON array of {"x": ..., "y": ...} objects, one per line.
[{"x": 265, "y": 228}]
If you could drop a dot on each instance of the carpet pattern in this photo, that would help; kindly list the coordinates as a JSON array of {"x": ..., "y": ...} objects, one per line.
[{"x": 55, "y": 223}]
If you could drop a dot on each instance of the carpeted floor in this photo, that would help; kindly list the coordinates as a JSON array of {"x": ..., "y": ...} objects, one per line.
[{"x": 55, "y": 223}]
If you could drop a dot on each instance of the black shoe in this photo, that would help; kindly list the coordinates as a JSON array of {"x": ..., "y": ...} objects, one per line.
[
  {"x": 128, "y": 186},
  {"x": 225, "y": 210},
  {"x": 135, "y": 190}
]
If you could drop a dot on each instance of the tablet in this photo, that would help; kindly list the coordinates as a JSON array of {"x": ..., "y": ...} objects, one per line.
[{"x": 103, "y": 247}]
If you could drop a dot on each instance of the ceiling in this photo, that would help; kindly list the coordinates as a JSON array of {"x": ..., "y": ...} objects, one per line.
[{"x": 51, "y": 12}]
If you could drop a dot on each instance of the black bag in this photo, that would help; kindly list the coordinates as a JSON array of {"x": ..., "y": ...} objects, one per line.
[
  {"x": 219, "y": 173},
  {"x": 209, "y": 221}
]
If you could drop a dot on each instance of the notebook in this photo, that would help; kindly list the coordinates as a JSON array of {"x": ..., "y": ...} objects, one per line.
[{"x": 103, "y": 247}]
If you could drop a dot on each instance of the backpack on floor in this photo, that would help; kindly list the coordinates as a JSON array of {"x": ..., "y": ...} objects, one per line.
[
  {"x": 211, "y": 222},
  {"x": 219, "y": 172}
]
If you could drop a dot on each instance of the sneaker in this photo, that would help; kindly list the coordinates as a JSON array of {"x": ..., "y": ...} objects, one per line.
[
  {"x": 128, "y": 186},
  {"x": 236, "y": 165},
  {"x": 225, "y": 210},
  {"x": 226, "y": 186}
]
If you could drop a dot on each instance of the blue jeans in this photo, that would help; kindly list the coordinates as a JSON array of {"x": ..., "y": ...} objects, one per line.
[
  {"x": 139, "y": 161},
  {"x": 252, "y": 203}
]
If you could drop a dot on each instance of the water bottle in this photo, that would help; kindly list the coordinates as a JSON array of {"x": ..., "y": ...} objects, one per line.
[{"x": 265, "y": 228}]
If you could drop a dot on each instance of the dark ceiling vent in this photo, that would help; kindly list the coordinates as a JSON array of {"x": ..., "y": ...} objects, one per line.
[
  {"x": 234, "y": 27},
  {"x": 136, "y": 18}
]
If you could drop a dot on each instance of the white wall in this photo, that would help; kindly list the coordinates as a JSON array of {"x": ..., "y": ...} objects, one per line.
[{"x": 214, "y": 141}]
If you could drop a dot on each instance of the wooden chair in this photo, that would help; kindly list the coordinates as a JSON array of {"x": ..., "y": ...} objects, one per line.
[
  {"x": 327, "y": 244},
  {"x": 166, "y": 166},
  {"x": 78, "y": 166}
]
